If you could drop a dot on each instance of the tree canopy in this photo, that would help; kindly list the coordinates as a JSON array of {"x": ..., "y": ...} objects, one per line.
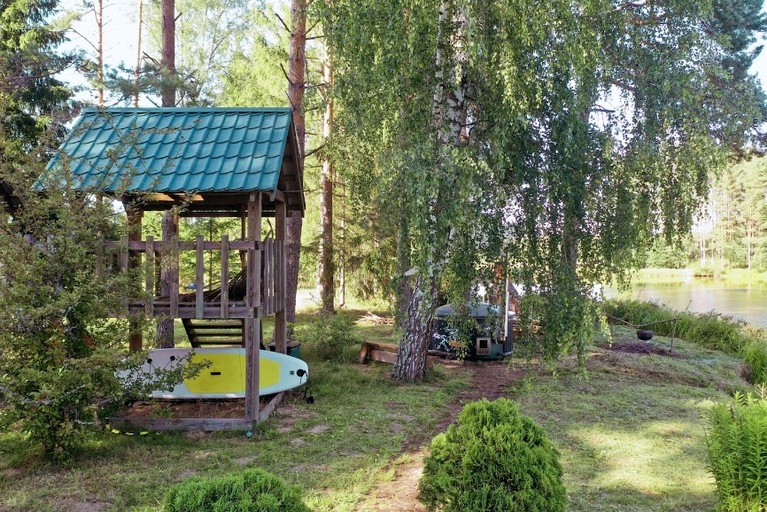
[{"x": 561, "y": 136}]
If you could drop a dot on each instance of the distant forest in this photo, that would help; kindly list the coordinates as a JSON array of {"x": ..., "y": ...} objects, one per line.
[{"x": 730, "y": 231}]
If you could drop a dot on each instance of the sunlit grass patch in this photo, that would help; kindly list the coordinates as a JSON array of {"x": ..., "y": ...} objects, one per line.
[{"x": 632, "y": 433}]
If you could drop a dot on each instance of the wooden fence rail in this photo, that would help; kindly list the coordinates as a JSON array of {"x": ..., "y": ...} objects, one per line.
[{"x": 263, "y": 292}]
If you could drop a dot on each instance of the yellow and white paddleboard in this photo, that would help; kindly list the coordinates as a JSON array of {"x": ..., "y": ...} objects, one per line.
[{"x": 225, "y": 377}]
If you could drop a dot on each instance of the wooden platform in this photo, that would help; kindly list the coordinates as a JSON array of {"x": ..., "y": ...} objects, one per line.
[{"x": 132, "y": 423}]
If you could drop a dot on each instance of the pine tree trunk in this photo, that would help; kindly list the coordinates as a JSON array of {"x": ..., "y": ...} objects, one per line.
[
  {"x": 326, "y": 269},
  {"x": 297, "y": 64},
  {"x": 168, "y": 61},
  {"x": 100, "y": 57},
  {"x": 137, "y": 71},
  {"x": 165, "y": 327},
  {"x": 168, "y": 272}
]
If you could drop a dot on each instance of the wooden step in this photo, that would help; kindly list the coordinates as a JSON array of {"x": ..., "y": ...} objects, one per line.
[{"x": 214, "y": 332}]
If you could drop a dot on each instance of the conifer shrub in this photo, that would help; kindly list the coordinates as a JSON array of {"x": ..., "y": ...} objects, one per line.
[
  {"x": 493, "y": 460},
  {"x": 737, "y": 453},
  {"x": 251, "y": 490}
]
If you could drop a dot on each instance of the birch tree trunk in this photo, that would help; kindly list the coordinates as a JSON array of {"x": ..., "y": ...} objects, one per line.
[
  {"x": 448, "y": 111},
  {"x": 326, "y": 269},
  {"x": 297, "y": 65}
]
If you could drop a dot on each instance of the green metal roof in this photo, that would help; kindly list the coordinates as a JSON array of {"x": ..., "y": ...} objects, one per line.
[{"x": 136, "y": 150}]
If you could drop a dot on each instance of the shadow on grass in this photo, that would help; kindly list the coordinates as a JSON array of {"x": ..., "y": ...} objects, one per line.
[
  {"x": 632, "y": 434},
  {"x": 334, "y": 448}
]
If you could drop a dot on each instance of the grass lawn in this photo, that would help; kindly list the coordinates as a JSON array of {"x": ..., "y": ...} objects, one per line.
[
  {"x": 333, "y": 448},
  {"x": 631, "y": 436}
]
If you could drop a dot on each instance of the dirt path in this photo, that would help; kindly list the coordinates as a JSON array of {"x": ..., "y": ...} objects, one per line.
[{"x": 400, "y": 493}]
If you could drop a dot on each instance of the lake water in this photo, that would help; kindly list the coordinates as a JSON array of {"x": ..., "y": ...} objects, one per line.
[{"x": 747, "y": 301}]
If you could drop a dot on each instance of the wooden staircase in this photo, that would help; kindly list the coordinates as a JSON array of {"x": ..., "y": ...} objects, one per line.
[{"x": 211, "y": 332}]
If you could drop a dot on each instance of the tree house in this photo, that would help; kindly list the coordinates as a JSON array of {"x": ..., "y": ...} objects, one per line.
[{"x": 198, "y": 162}]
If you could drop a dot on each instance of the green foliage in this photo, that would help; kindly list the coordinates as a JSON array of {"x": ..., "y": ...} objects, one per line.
[
  {"x": 755, "y": 355},
  {"x": 543, "y": 177},
  {"x": 329, "y": 335},
  {"x": 60, "y": 352},
  {"x": 711, "y": 330},
  {"x": 252, "y": 490},
  {"x": 32, "y": 100},
  {"x": 494, "y": 460},
  {"x": 737, "y": 453},
  {"x": 663, "y": 255}
]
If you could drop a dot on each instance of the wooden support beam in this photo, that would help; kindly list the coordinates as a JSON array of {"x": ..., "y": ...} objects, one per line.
[
  {"x": 269, "y": 408},
  {"x": 280, "y": 325},
  {"x": 225, "y": 276},
  {"x": 174, "y": 277},
  {"x": 199, "y": 281},
  {"x": 149, "y": 276},
  {"x": 134, "y": 216},
  {"x": 253, "y": 325},
  {"x": 203, "y": 424}
]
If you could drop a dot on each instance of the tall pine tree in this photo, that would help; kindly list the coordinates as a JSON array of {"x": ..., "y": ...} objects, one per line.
[{"x": 33, "y": 102}]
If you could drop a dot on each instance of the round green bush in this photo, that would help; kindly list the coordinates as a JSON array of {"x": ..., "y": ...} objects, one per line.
[
  {"x": 494, "y": 460},
  {"x": 250, "y": 491}
]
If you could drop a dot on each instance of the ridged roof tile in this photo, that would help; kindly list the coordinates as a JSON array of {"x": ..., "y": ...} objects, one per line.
[{"x": 177, "y": 150}]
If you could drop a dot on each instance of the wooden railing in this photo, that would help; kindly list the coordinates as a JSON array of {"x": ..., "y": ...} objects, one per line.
[{"x": 262, "y": 296}]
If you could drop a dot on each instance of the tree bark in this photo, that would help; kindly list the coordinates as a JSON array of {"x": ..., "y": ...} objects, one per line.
[
  {"x": 168, "y": 272},
  {"x": 137, "y": 71},
  {"x": 326, "y": 269},
  {"x": 297, "y": 64},
  {"x": 168, "y": 61},
  {"x": 448, "y": 110},
  {"x": 412, "y": 350},
  {"x": 100, "y": 57}
]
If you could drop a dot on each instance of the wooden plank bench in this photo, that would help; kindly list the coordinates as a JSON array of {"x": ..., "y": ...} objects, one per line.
[{"x": 387, "y": 353}]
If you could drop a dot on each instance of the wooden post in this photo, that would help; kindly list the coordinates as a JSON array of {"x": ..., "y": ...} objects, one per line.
[
  {"x": 174, "y": 277},
  {"x": 134, "y": 215},
  {"x": 253, "y": 325},
  {"x": 199, "y": 282},
  {"x": 149, "y": 277},
  {"x": 280, "y": 325},
  {"x": 225, "y": 276}
]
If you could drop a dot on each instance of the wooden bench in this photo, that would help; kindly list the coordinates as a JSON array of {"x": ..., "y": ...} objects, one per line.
[{"x": 387, "y": 353}]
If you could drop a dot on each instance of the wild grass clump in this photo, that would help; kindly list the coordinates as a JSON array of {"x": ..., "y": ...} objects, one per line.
[
  {"x": 250, "y": 490},
  {"x": 737, "y": 453},
  {"x": 755, "y": 355},
  {"x": 494, "y": 460},
  {"x": 329, "y": 335},
  {"x": 711, "y": 330}
]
